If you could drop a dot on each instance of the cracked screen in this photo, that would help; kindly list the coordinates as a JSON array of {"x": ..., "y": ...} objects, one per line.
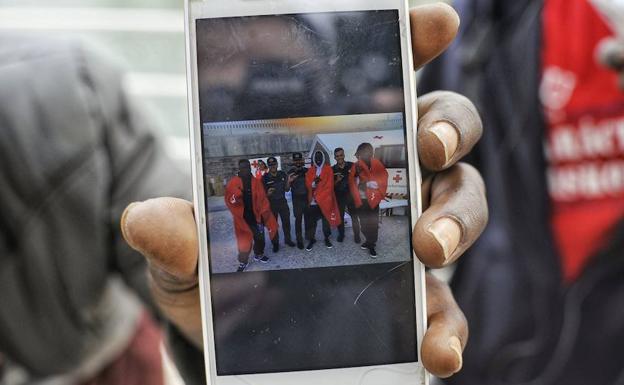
[{"x": 307, "y": 193}]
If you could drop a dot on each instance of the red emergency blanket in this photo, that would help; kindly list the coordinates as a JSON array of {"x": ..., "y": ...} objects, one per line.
[
  {"x": 261, "y": 209},
  {"x": 376, "y": 173},
  {"x": 323, "y": 193}
]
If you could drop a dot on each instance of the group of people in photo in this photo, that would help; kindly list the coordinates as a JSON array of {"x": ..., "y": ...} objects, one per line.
[{"x": 321, "y": 192}]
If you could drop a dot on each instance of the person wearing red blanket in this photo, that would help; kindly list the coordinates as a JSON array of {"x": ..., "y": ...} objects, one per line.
[
  {"x": 246, "y": 199},
  {"x": 368, "y": 184},
  {"x": 323, "y": 204}
]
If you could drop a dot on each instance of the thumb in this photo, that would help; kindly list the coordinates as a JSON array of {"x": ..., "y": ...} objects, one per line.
[{"x": 164, "y": 231}]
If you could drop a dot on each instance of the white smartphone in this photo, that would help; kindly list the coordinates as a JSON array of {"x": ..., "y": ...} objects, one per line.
[{"x": 306, "y": 188}]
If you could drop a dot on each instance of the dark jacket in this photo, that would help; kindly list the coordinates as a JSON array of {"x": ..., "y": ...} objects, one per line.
[
  {"x": 74, "y": 151},
  {"x": 526, "y": 327}
]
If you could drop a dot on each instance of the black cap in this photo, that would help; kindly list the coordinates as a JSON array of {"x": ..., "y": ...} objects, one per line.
[{"x": 297, "y": 156}]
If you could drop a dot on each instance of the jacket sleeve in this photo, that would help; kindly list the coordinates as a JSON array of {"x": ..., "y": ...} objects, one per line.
[
  {"x": 74, "y": 151},
  {"x": 139, "y": 167}
]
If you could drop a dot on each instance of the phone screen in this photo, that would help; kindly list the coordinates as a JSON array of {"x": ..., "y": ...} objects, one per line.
[{"x": 307, "y": 194}]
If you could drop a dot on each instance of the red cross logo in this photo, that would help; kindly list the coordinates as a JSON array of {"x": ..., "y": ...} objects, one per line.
[
  {"x": 397, "y": 178},
  {"x": 254, "y": 164}
]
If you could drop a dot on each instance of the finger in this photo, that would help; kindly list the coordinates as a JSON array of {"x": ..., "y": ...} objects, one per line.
[
  {"x": 447, "y": 333},
  {"x": 433, "y": 26},
  {"x": 448, "y": 128},
  {"x": 164, "y": 231},
  {"x": 455, "y": 218},
  {"x": 610, "y": 53}
]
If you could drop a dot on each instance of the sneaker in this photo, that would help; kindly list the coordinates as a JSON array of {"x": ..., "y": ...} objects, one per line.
[
  {"x": 300, "y": 245},
  {"x": 241, "y": 267},
  {"x": 261, "y": 258},
  {"x": 310, "y": 244},
  {"x": 356, "y": 238},
  {"x": 275, "y": 247},
  {"x": 290, "y": 243},
  {"x": 364, "y": 246},
  {"x": 340, "y": 238},
  {"x": 328, "y": 244},
  {"x": 373, "y": 252}
]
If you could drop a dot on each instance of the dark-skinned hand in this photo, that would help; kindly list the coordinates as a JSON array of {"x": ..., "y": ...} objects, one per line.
[{"x": 455, "y": 214}]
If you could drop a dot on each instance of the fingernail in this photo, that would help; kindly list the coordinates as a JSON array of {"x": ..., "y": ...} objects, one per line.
[
  {"x": 124, "y": 223},
  {"x": 448, "y": 137},
  {"x": 448, "y": 234},
  {"x": 455, "y": 346}
]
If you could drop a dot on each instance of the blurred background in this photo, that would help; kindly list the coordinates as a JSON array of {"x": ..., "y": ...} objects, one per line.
[{"x": 146, "y": 37}]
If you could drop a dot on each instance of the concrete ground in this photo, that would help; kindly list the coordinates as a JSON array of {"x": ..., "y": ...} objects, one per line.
[{"x": 392, "y": 245}]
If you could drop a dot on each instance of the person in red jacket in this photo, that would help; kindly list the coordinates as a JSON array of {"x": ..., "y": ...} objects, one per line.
[
  {"x": 322, "y": 200},
  {"x": 368, "y": 184},
  {"x": 247, "y": 201}
]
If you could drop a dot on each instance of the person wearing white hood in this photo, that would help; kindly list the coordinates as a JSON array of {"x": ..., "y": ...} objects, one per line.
[{"x": 322, "y": 200}]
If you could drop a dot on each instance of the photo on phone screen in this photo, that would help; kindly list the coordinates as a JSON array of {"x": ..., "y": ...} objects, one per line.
[{"x": 307, "y": 191}]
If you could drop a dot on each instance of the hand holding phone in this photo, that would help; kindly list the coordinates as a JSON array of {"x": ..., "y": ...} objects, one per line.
[
  {"x": 164, "y": 231},
  {"x": 154, "y": 227}
]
